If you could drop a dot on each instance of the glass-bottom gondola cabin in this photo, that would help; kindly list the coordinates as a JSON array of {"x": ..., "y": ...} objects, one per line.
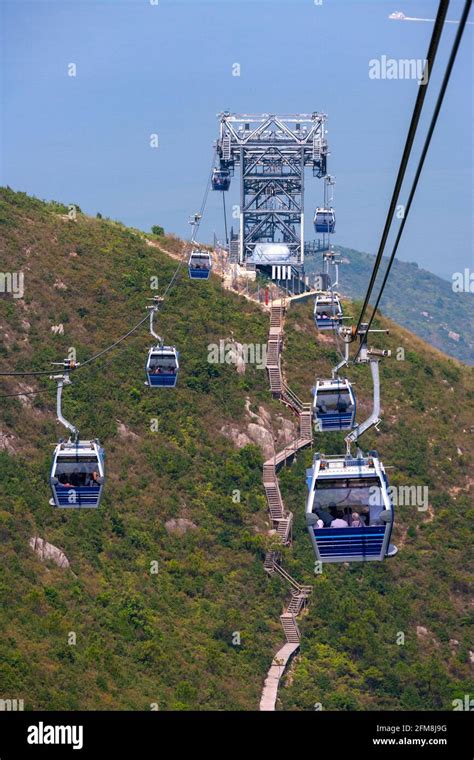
[
  {"x": 77, "y": 474},
  {"x": 200, "y": 265},
  {"x": 349, "y": 513},
  {"x": 324, "y": 220},
  {"x": 327, "y": 311},
  {"x": 162, "y": 367},
  {"x": 220, "y": 179},
  {"x": 334, "y": 406}
]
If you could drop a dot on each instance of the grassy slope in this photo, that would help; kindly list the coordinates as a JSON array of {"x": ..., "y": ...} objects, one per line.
[
  {"x": 167, "y": 638},
  {"x": 410, "y": 295},
  {"x": 141, "y": 638}
]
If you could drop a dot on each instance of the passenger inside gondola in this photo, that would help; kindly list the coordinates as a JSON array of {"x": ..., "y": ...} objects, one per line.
[
  {"x": 162, "y": 365},
  {"x": 344, "y": 500},
  {"x": 220, "y": 179},
  {"x": 77, "y": 474},
  {"x": 356, "y": 522},
  {"x": 200, "y": 263},
  {"x": 326, "y": 313},
  {"x": 329, "y": 402},
  {"x": 325, "y": 517},
  {"x": 339, "y": 521}
]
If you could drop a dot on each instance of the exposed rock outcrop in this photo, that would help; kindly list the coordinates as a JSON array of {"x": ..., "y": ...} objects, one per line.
[
  {"x": 260, "y": 431},
  {"x": 179, "y": 526},
  {"x": 6, "y": 442},
  {"x": 263, "y": 438},
  {"x": 47, "y": 551},
  {"x": 239, "y": 438},
  {"x": 125, "y": 432},
  {"x": 287, "y": 432}
]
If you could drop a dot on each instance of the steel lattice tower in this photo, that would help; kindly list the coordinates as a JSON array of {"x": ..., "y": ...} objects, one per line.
[{"x": 272, "y": 153}]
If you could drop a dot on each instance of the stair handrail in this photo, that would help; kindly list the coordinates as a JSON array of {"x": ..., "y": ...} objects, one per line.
[
  {"x": 278, "y": 568},
  {"x": 293, "y": 396}
]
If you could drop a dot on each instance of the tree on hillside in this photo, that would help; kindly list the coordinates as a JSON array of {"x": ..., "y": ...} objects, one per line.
[{"x": 157, "y": 230}]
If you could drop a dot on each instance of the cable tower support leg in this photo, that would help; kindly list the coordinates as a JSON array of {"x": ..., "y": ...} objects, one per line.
[{"x": 225, "y": 219}]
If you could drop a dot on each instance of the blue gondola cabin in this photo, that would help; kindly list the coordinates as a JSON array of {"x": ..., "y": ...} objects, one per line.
[
  {"x": 327, "y": 311},
  {"x": 324, "y": 220},
  {"x": 334, "y": 405},
  {"x": 349, "y": 513},
  {"x": 162, "y": 367},
  {"x": 220, "y": 179},
  {"x": 78, "y": 474},
  {"x": 200, "y": 265}
]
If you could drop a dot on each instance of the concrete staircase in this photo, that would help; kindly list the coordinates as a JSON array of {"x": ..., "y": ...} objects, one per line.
[
  {"x": 299, "y": 598},
  {"x": 274, "y": 344},
  {"x": 306, "y": 425},
  {"x": 290, "y": 628},
  {"x": 282, "y": 520}
]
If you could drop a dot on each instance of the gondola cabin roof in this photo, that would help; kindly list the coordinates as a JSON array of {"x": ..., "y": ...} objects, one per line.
[
  {"x": 81, "y": 446},
  {"x": 334, "y": 384},
  {"x": 163, "y": 351},
  {"x": 324, "y": 211},
  {"x": 197, "y": 254},
  {"x": 325, "y": 299}
]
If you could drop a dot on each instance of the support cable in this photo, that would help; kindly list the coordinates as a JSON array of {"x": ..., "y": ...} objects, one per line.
[
  {"x": 430, "y": 59},
  {"x": 434, "y": 118}
]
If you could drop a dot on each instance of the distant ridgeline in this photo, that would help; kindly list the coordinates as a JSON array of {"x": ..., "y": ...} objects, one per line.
[{"x": 416, "y": 299}]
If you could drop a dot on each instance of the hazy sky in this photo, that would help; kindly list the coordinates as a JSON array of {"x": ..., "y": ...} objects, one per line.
[{"x": 167, "y": 69}]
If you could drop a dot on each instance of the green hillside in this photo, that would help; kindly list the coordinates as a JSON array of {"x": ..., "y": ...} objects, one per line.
[
  {"x": 415, "y": 298},
  {"x": 169, "y": 638}
]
